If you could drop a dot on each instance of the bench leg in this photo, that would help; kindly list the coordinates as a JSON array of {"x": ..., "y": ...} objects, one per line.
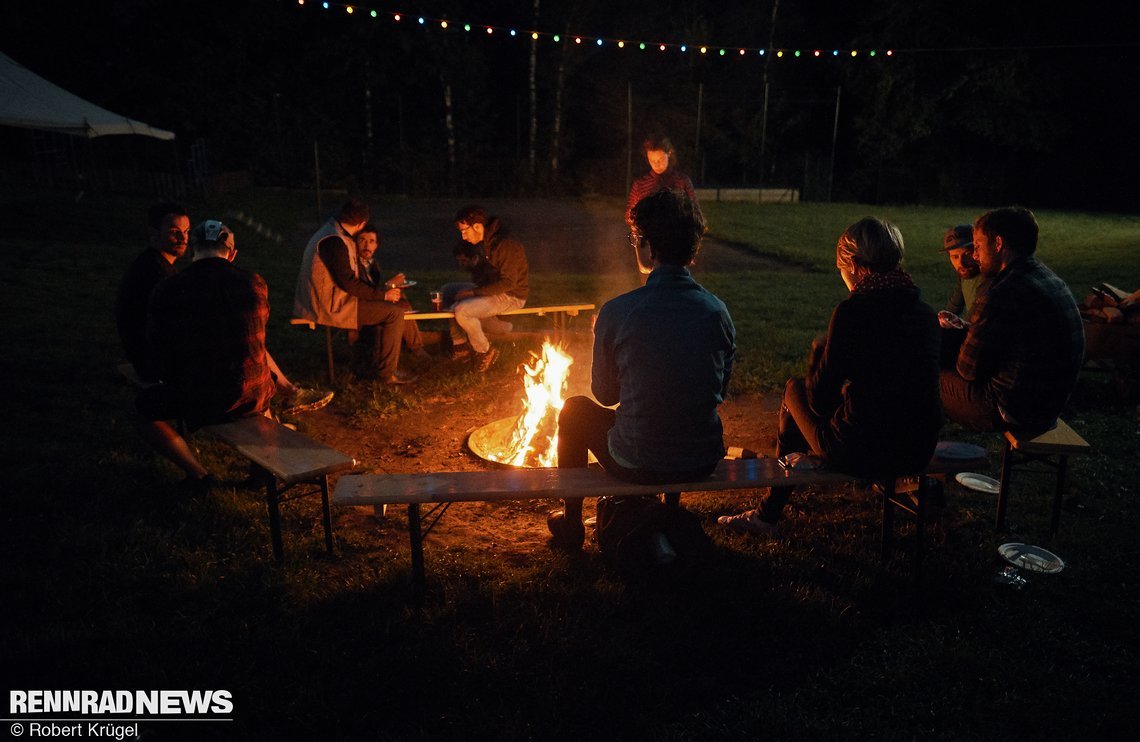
[
  {"x": 919, "y": 526},
  {"x": 329, "y": 353},
  {"x": 417, "y": 542},
  {"x": 1062, "y": 470},
  {"x": 1003, "y": 487},
  {"x": 326, "y": 515},
  {"x": 273, "y": 504},
  {"x": 888, "y": 537}
]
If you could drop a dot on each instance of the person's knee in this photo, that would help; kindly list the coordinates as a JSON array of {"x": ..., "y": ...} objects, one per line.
[{"x": 573, "y": 409}]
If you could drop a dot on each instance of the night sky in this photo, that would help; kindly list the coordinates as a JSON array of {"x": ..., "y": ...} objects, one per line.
[{"x": 981, "y": 103}]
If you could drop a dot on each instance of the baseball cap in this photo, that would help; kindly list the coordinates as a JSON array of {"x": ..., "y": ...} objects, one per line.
[
  {"x": 956, "y": 237},
  {"x": 214, "y": 232}
]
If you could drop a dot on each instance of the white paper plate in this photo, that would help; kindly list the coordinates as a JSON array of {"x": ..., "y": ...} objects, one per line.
[
  {"x": 1031, "y": 558},
  {"x": 978, "y": 482}
]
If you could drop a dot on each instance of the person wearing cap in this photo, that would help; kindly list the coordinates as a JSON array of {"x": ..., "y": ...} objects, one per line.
[
  {"x": 330, "y": 292},
  {"x": 958, "y": 244},
  {"x": 1025, "y": 343},
  {"x": 207, "y": 326}
]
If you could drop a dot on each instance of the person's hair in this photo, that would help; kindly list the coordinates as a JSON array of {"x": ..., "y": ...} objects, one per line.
[
  {"x": 465, "y": 248},
  {"x": 1016, "y": 226},
  {"x": 370, "y": 227},
  {"x": 657, "y": 141},
  {"x": 471, "y": 214},
  {"x": 673, "y": 225},
  {"x": 157, "y": 212},
  {"x": 354, "y": 211},
  {"x": 875, "y": 244}
]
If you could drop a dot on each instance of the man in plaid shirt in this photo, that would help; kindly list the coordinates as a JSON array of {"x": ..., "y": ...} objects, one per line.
[
  {"x": 207, "y": 325},
  {"x": 1025, "y": 343}
]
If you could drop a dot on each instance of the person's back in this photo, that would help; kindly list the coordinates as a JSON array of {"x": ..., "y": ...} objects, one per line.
[
  {"x": 669, "y": 350},
  {"x": 208, "y": 325},
  {"x": 1036, "y": 343},
  {"x": 880, "y": 377}
]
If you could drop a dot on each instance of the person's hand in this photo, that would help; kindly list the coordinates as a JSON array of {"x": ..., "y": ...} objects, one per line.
[
  {"x": 396, "y": 280},
  {"x": 392, "y": 295},
  {"x": 950, "y": 321}
]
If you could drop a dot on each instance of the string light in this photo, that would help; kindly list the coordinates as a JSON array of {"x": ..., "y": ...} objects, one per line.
[{"x": 598, "y": 41}]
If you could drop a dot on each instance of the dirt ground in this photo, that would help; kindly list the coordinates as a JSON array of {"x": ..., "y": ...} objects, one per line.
[{"x": 560, "y": 236}]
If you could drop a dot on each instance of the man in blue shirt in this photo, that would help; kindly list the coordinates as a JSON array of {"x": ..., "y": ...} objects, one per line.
[{"x": 663, "y": 354}]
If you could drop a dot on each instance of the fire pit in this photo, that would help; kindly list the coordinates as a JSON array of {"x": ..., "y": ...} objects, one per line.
[{"x": 531, "y": 439}]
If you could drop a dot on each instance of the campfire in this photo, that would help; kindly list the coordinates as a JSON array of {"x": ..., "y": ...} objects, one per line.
[{"x": 530, "y": 439}]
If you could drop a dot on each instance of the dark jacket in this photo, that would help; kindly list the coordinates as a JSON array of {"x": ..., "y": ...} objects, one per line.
[
  {"x": 507, "y": 256},
  {"x": 145, "y": 272},
  {"x": 877, "y": 384}
]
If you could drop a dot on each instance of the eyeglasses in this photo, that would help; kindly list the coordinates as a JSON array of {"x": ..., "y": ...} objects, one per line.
[{"x": 635, "y": 240}]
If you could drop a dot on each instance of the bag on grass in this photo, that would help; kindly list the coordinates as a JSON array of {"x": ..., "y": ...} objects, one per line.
[{"x": 639, "y": 533}]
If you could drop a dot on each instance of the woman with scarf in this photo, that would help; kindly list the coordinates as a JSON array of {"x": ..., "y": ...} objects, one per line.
[{"x": 869, "y": 405}]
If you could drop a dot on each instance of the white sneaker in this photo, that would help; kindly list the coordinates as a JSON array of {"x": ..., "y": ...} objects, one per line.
[{"x": 746, "y": 522}]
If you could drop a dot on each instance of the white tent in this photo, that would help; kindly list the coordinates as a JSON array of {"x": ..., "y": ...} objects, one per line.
[{"x": 29, "y": 101}]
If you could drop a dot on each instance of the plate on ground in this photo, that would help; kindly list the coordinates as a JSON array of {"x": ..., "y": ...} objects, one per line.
[
  {"x": 1031, "y": 558},
  {"x": 958, "y": 450},
  {"x": 978, "y": 482}
]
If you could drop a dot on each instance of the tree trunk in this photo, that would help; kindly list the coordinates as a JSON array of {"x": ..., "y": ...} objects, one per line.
[
  {"x": 449, "y": 123},
  {"x": 556, "y": 125},
  {"x": 533, "y": 140}
]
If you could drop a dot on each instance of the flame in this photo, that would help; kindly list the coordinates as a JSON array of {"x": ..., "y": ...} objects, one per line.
[{"x": 534, "y": 441}]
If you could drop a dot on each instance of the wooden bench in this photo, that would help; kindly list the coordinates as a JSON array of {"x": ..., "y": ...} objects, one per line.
[
  {"x": 284, "y": 458},
  {"x": 440, "y": 489},
  {"x": 1052, "y": 450},
  {"x": 560, "y": 315}
]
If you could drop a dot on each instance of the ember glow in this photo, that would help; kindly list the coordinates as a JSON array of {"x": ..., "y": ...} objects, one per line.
[{"x": 534, "y": 441}]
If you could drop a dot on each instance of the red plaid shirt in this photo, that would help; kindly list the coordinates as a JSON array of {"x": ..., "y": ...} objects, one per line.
[{"x": 207, "y": 325}]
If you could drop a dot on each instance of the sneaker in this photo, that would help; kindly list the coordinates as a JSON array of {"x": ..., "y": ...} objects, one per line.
[
  {"x": 459, "y": 352},
  {"x": 307, "y": 400},
  {"x": 483, "y": 361},
  {"x": 565, "y": 534},
  {"x": 746, "y": 522},
  {"x": 399, "y": 378}
]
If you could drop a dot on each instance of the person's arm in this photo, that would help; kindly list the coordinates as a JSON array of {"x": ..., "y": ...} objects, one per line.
[
  {"x": 825, "y": 381},
  {"x": 334, "y": 254},
  {"x": 509, "y": 258},
  {"x": 604, "y": 380},
  {"x": 986, "y": 334}
]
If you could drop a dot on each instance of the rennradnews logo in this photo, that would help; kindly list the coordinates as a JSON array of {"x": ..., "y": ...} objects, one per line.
[{"x": 135, "y": 702}]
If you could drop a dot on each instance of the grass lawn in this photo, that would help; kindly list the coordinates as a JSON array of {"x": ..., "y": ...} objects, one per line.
[{"x": 109, "y": 583}]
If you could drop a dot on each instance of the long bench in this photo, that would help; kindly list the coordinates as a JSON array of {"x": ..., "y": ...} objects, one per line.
[
  {"x": 559, "y": 314},
  {"x": 284, "y": 459},
  {"x": 441, "y": 489}
]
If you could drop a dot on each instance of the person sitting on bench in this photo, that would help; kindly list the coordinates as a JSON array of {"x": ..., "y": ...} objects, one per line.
[
  {"x": 663, "y": 354},
  {"x": 368, "y": 269},
  {"x": 207, "y": 326},
  {"x": 1025, "y": 344},
  {"x": 330, "y": 292},
  {"x": 869, "y": 405}
]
